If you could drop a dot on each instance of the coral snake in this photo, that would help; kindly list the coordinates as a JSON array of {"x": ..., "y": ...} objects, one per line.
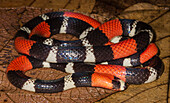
[{"x": 109, "y": 55}]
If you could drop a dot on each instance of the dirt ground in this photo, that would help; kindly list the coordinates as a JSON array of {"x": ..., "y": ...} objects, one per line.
[{"x": 14, "y": 13}]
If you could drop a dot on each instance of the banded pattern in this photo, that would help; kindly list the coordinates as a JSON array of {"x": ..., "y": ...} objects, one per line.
[{"x": 119, "y": 43}]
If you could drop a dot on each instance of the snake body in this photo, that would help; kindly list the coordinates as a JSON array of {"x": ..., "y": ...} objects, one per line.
[{"x": 106, "y": 55}]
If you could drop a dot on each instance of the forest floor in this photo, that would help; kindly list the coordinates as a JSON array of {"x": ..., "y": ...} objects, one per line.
[{"x": 14, "y": 13}]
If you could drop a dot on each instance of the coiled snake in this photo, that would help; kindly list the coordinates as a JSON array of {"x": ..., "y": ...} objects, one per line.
[{"x": 106, "y": 55}]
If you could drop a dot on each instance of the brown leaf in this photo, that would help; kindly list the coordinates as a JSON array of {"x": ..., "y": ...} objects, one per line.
[{"x": 143, "y": 11}]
